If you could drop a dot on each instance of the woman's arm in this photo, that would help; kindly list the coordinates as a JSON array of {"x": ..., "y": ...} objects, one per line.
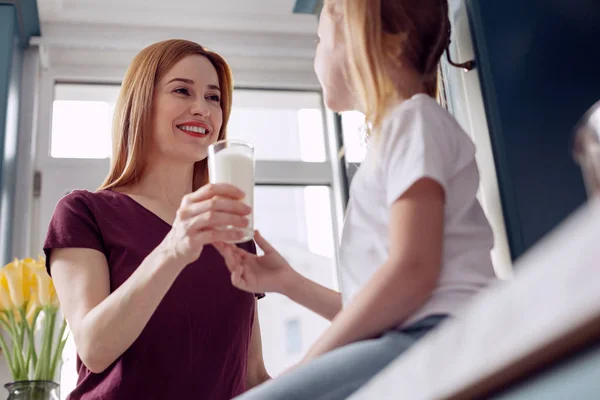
[
  {"x": 105, "y": 324},
  {"x": 405, "y": 282},
  {"x": 257, "y": 373}
]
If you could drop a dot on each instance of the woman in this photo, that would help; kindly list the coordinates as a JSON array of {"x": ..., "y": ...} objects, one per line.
[
  {"x": 416, "y": 244},
  {"x": 148, "y": 300}
]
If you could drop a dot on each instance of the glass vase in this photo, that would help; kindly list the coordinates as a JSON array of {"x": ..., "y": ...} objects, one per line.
[{"x": 32, "y": 390}]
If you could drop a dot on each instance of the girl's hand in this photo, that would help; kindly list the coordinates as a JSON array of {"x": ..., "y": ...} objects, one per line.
[{"x": 257, "y": 274}]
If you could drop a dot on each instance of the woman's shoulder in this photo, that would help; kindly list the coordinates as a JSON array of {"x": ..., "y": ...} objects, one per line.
[
  {"x": 90, "y": 198},
  {"x": 76, "y": 200},
  {"x": 82, "y": 202}
]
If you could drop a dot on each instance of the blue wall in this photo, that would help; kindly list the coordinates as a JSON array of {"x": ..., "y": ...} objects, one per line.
[
  {"x": 8, "y": 29},
  {"x": 308, "y": 7},
  {"x": 538, "y": 62},
  {"x": 14, "y": 39},
  {"x": 9, "y": 80}
]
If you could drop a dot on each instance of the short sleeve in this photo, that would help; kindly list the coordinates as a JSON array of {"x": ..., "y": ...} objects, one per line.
[
  {"x": 414, "y": 147},
  {"x": 73, "y": 225},
  {"x": 250, "y": 247}
]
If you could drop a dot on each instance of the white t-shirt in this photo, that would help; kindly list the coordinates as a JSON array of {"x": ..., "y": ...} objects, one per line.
[{"x": 418, "y": 139}]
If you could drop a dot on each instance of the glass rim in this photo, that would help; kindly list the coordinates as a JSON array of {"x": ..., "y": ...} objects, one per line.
[{"x": 234, "y": 141}]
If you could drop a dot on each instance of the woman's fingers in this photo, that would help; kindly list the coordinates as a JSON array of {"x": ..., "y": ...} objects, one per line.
[
  {"x": 216, "y": 219},
  {"x": 215, "y": 204},
  {"x": 211, "y": 190},
  {"x": 210, "y": 236}
]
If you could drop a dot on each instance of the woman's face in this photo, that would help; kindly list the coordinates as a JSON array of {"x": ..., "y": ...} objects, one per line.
[
  {"x": 331, "y": 65},
  {"x": 187, "y": 115}
]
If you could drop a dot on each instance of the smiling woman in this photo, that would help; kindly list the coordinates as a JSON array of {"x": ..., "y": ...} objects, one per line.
[
  {"x": 185, "y": 92},
  {"x": 199, "y": 127},
  {"x": 148, "y": 300}
]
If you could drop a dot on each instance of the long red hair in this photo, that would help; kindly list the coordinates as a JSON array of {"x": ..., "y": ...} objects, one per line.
[{"x": 132, "y": 122}]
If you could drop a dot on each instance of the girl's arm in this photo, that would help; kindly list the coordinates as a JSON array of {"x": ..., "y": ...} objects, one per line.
[
  {"x": 406, "y": 281},
  {"x": 272, "y": 273},
  {"x": 317, "y": 298}
]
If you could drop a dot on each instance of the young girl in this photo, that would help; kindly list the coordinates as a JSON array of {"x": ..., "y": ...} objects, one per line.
[
  {"x": 416, "y": 244},
  {"x": 148, "y": 300}
]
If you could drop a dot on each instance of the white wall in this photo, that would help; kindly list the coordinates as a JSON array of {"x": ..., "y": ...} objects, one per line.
[{"x": 466, "y": 103}]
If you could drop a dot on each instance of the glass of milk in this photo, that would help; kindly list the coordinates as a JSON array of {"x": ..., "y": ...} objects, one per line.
[{"x": 232, "y": 161}]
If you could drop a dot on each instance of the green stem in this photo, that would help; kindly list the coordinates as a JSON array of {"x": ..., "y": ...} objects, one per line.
[
  {"x": 17, "y": 352},
  {"x": 8, "y": 358},
  {"x": 5, "y": 324},
  {"x": 48, "y": 360},
  {"x": 38, "y": 371},
  {"x": 60, "y": 345},
  {"x": 9, "y": 353},
  {"x": 26, "y": 329},
  {"x": 22, "y": 327},
  {"x": 43, "y": 366},
  {"x": 32, "y": 337}
]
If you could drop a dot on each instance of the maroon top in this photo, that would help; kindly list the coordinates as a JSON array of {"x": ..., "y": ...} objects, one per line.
[{"x": 195, "y": 345}]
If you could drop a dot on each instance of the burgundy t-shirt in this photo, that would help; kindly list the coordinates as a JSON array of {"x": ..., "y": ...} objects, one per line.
[{"x": 195, "y": 345}]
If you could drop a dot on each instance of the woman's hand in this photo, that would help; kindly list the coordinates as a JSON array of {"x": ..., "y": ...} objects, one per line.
[
  {"x": 257, "y": 274},
  {"x": 199, "y": 218}
]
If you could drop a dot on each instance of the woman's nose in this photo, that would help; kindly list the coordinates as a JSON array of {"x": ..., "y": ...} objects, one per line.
[{"x": 200, "y": 107}]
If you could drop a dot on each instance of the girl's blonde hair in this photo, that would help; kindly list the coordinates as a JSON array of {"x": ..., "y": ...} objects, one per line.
[
  {"x": 132, "y": 122},
  {"x": 381, "y": 34}
]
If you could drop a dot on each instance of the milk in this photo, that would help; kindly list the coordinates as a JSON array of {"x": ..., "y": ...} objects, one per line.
[{"x": 234, "y": 165}]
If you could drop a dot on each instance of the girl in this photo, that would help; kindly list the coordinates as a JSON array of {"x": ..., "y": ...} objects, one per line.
[
  {"x": 416, "y": 244},
  {"x": 149, "y": 302}
]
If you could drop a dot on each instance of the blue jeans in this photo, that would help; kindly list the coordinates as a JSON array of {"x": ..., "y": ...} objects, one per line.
[{"x": 339, "y": 373}]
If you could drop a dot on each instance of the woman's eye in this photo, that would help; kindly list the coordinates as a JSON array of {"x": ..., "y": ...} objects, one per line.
[
  {"x": 214, "y": 97},
  {"x": 182, "y": 91}
]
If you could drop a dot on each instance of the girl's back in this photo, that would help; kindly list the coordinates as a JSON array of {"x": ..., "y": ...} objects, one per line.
[{"x": 419, "y": 139}]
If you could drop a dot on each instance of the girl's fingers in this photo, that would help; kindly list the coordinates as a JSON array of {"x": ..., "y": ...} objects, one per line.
[{"x": 262, "y": 243}]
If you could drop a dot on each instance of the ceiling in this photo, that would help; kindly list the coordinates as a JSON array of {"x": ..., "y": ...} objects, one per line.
[
  {"x": 230, "y": 15},
  {"x": 251, "y": 35}
]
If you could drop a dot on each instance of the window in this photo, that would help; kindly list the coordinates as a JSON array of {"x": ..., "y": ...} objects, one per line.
[
  {"x": 281, "y": 125},
  {"x": 297, "y": 221},
  {"x": 293, "y": 336},
  {"x": 81, "y": 120}
]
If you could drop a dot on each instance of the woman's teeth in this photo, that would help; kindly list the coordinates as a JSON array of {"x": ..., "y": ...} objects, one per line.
[{"x": 195, "y": 129}]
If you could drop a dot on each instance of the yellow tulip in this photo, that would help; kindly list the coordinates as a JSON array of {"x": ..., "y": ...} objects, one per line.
[
  {"x": 17, "y": 282},
  {"x": 5, "y": 300},
  {"x": 41, "y": 263},
  {"x": 43, "y": 285},
  {"x": 32, "y": 307}
]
